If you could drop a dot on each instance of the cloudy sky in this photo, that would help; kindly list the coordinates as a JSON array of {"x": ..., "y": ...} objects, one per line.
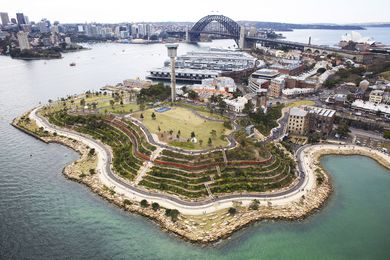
[{"x": 292, "y": 11}]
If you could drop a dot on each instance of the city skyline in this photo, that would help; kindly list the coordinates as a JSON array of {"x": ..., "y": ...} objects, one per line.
[{"x": 150, "y": 11}]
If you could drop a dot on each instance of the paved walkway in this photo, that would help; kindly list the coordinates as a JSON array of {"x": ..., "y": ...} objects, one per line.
[
  {"x": 133, "y": 192},
  {"x": 147, "y": 165}
]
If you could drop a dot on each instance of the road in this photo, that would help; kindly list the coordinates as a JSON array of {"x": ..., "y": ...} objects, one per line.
[{"x": 122, "y": 187}]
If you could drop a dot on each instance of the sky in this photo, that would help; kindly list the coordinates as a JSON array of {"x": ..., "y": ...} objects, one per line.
[{"x": 287, "y": 11}]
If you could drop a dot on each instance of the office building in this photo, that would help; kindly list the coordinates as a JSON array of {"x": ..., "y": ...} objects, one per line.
[
  {"x": 256, "y": 84},
  {"x": 23, "y": 40},
  {"x": 376, "y": 96},
  {"x": 267, "y": 74},
  {"x": 276, "y": 87},
  {"x": 321, "y": 120},
  {"x": 21, "y": 19},
  {"x": 298, "y": 121},
  {"x": 4, "y": 18}
]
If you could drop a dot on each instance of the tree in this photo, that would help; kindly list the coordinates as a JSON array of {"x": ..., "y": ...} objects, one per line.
[
  {"x": 386, "y": 134},
  {"x": 248, "y": 108},
  {"x": 153, "y": 116},
  {"x": 227, "y": 124},
  {"x": 314, "y": 138},
  {"x": 200, "y": 142},
  {"x": 254, "y": 205},
  {"x": 209, "y": 142},
  {"x": 112, "y": 102},
  {"x": 213, "y": 134},
  {"x": 232, "y": 211},
  {"x": 343, "y": 129},
  {"x": 91, "y": 152},
  {"x": 193, "y": 95},
  {"x": 173, "y": 213},
  {"x": 159, "y": 129},
  {"x": 144, "y": 203},
  {"x": 82, "y": 102},
  {"x": 192, "y": 134},
  {"x": 92, "y": 171},
  {"x": 155, "y": 206},
  {"x": 141, "y": 116},
  {"x": 170, "y": 132}
]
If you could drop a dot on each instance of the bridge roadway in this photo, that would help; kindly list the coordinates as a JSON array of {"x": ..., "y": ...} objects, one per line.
[
  {"x": 122, "y": 187},
  {"x": 300, "y": 45}
]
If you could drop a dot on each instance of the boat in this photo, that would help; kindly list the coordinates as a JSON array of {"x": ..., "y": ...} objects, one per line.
[{"x": 72, "y": 64}]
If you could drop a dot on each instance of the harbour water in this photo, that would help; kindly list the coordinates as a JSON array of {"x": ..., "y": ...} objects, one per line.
[
  {"x": 332, "y": 37},
  {"x": 45, "y": 216}
]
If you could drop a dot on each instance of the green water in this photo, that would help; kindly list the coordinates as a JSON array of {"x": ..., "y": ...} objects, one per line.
[{"x": 45, "y": 216}]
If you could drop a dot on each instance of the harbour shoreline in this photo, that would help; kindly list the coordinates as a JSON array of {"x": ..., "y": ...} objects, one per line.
[
  {"x": 195, "y": 233},
  {"x": 193, "y": 228}
]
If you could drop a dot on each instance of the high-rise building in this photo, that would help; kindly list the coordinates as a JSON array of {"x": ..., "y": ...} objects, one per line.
[
  {"x": 4, "y": 18},
  {"x": 44, "y": 26},
  {"x": 23, "y": 40},
  {"x": 21, "y": 19},
  {"x": 298, "y": 122}
]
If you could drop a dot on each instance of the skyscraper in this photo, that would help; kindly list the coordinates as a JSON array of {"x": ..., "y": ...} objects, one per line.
[
  {"x": 4, "y": 18},
  {"x": 20, "y": 18},
  {"x": 23, "y": 40}
]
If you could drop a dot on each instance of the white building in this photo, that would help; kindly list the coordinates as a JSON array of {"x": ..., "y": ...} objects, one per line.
[
  {"x": 236, "y": 105},
  {"x": 68, "y": 41},
  {"x": 256, "y": 84},
  {"x": 376, "y": 96},
  {"x": 220, "y": 83},
  {"x": 371, "y": 107},
  {"x": 293, "y": 92},
  {"x": 23, "y": 40},
  {"x": 297, "y": 121}
]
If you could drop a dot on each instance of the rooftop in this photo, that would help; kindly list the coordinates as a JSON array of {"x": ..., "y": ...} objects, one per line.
[
  {"x": 322, "y": 111},
  {"x": 366, "y": 105},
  {"x": 266, "y": 73},
  {"x": 295, "y": 111}
]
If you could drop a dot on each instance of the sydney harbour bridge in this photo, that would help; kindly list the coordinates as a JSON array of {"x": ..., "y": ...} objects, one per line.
[{"x": 223, "y": 26}]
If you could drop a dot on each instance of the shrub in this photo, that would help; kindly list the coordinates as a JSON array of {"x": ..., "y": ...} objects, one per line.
[
  {"x": 91, "y": 152},
  {"x": 232, "y": 211},
  {"x": 144, "y": 203},
  {"x": 254, "y": 205},
  {"x": 92, "y": 171},
  {"x": 173, "y": 213},
  {"x": 155, "y": 206},
  {"x": 126, "y": 202}
]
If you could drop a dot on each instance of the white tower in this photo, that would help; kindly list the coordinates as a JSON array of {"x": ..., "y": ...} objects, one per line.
[{"x": 172, "y": 53}]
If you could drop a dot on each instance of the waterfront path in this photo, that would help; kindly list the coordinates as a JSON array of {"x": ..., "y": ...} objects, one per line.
[{"x": 305, "y": 181}]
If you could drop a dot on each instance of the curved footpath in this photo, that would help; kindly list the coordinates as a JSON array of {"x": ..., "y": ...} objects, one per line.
[
  {"x": 108, "y": 178},
  {"x": 307, "y": 157}
]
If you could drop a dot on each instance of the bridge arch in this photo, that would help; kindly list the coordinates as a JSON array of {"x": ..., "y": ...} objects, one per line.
[{"x": 232, "y": 28}]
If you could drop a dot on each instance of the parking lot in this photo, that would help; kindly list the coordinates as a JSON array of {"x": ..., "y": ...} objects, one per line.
[{"x": 372, "y": 142}]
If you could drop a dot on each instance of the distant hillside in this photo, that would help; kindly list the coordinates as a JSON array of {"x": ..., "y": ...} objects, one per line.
[{"x": 291, "y": 26}]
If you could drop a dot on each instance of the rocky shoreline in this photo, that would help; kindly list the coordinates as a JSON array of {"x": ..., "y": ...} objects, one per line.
[
  {"x": 203, "y": 229},
  {"x": 195, "y": 233}
]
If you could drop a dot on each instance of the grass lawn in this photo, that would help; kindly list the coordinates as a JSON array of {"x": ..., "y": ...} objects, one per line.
[
  {"x": 118, "y": 109},
  {"x": 386, "y": 75},
  {"x": 212, "y": 115},
  {"x": 182, "y": 119},
  {"x": 301, "y": 103}
]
